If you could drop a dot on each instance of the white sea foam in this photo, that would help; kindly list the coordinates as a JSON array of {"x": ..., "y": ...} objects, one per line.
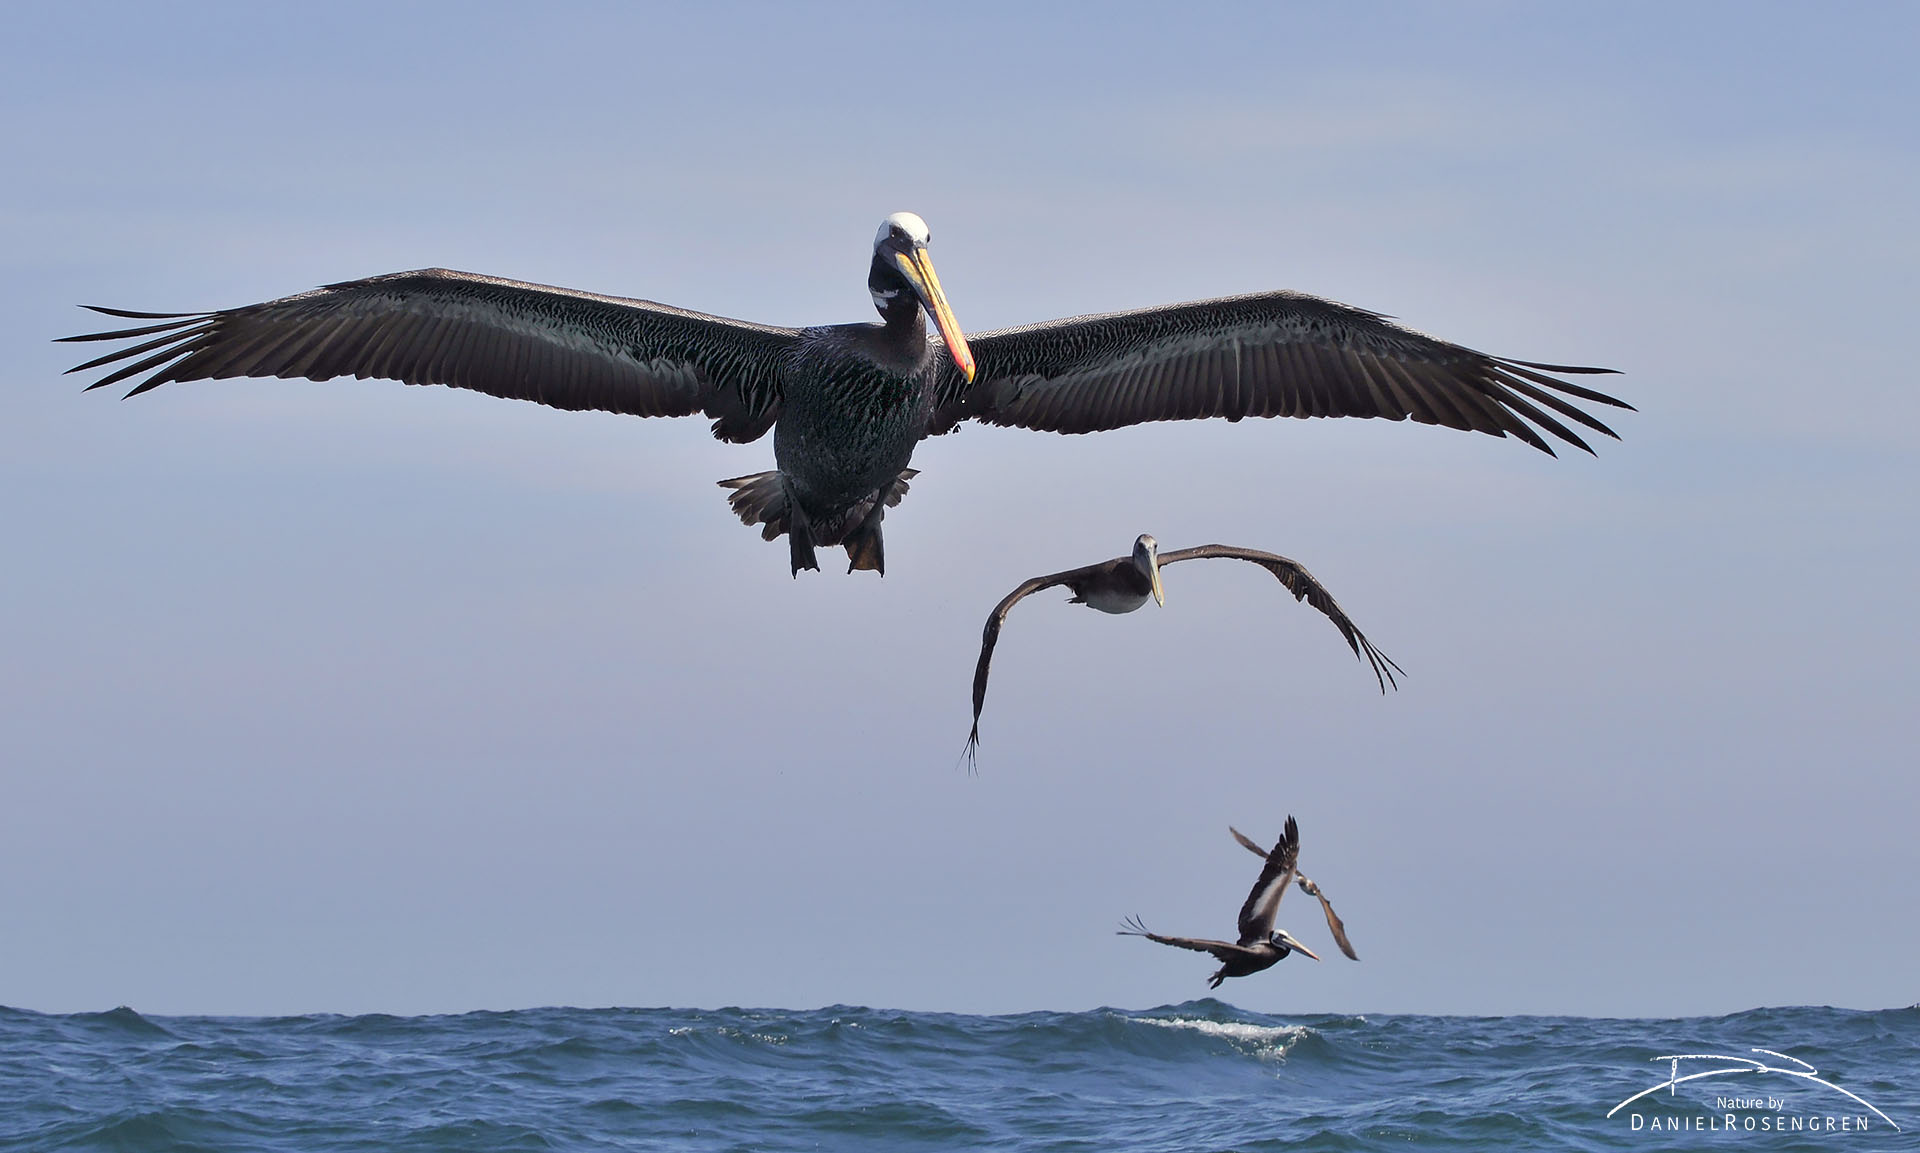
[
  {"x": 728, "y": 1031},
  {"x": 1266, "y": 1040},
  {"x": 750, "y": 1035}
]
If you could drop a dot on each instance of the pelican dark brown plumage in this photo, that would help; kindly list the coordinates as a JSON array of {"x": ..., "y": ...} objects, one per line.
[
  {"x": 1125, "y": 583},
  {"x": 1334, "y": 924},
  {"x": 848, "y": 403},
  {"x": 1260, "y": 945}
]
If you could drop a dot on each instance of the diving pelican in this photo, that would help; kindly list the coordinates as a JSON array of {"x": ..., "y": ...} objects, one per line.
[
  {"x": 1261, "y": 946},
  {"x": 1334, "y": 924},
  {"x": 1124, "y": 583},
  {"x": 848, "y": 403}
]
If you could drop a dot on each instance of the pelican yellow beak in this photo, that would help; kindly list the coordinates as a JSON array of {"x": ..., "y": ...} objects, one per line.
[
  {"x": 1288, "y": 940},
  {"x": 917, "y": 267},
  {"x": 1152, "y": 548}
]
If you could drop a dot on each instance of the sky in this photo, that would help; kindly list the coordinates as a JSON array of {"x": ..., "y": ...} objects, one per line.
[{"x": 354, "y": 697}]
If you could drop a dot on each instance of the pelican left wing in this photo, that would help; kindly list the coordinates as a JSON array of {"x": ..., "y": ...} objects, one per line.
[
  {"x": 1334, "y": 924},
  {"x": 1266, "y": 354},
  {"x": 554, "y": 346}
]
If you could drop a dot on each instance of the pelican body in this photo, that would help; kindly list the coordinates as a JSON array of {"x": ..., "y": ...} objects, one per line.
[
  {"x": 1122, "y": 584},
  {"x": 856, "y": 399},
  {"x": 848, "y": 403},
  {"x": 1260, "y": 946}
]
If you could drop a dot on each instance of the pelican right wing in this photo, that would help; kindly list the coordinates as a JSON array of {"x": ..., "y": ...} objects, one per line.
[
  {"x": 1221, "y": 950},
  {"x": 990, "y": 636},
  {"x": 553, "y": 346}
]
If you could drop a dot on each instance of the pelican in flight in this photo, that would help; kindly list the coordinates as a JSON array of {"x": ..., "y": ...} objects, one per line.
[
  {"x": 847, "y": 403},
  {"x": 1124, "y": 583},
  {"x": 1261, "y": 946}
]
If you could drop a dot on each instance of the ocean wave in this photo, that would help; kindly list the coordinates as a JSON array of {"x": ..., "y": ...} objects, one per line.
[{"x": 1198, "y": 1075}]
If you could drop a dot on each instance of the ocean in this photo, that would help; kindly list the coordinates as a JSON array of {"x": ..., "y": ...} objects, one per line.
[{"x": 1190, "y": 1077}]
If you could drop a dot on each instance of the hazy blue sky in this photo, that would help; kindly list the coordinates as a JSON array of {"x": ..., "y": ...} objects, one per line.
[{"x": 350, "y": 696}]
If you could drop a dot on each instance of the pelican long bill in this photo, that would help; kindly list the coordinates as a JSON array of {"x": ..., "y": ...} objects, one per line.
[
  {"x": 1293, "y": 943},
  {"x": 917, "y": 267},
  {"x": 1153, "y": 575}
]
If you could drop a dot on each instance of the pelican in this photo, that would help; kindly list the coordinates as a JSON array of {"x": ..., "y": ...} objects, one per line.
[
  {"x": 848, "y": 403},
  {"x": 1124, "y": 583},
  {"x": 1261, "y": 946},
  {"x": 1334, "y": 924}
]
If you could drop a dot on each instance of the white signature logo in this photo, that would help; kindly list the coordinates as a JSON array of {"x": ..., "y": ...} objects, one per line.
[{"x": 1740, "y": 1065}]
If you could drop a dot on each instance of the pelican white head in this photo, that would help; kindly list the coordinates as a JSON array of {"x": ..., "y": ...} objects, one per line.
[
  {"x": 900, "y": 260},
  {"x": 904, "y": 225}
]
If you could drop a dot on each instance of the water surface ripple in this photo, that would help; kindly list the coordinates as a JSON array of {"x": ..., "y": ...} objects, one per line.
[{"x": 1197, "y": 1076}]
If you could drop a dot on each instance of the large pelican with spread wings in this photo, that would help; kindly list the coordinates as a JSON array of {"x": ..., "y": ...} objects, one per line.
[{"x": 847, "y": 403}]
